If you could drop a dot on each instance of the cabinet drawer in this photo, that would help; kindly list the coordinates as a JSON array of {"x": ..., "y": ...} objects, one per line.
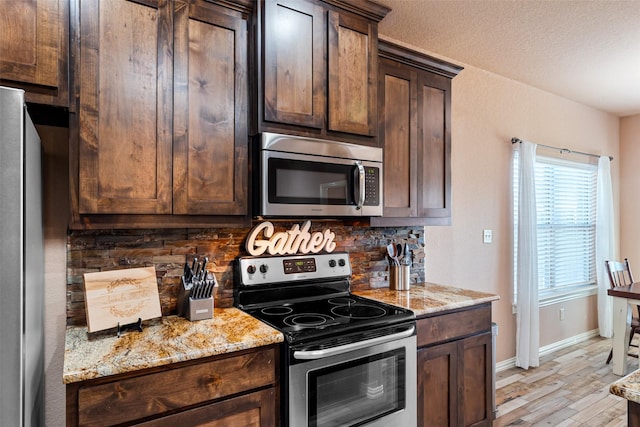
[
  {"x": 142, "y": 396},
  {"x": 449, "y": 326},
  {"x": 253, "y": 409}
]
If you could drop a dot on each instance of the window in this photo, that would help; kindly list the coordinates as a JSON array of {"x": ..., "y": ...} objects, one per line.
[{"x": 566, "y": 217}]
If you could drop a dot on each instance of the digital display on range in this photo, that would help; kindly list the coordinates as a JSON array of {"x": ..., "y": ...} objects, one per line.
[{"x": 293, "y": 266}]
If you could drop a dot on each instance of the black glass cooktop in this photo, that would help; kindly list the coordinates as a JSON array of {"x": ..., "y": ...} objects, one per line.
[{"x": 308, "y": 320}]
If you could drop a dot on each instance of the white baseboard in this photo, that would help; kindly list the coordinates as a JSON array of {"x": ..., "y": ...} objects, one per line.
[
  {"x": 510, "y": 363},
  {"x": 506, "y": 364}
]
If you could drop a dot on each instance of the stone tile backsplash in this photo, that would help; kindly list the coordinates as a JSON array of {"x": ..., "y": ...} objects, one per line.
[{"x": 168, "y": 249}]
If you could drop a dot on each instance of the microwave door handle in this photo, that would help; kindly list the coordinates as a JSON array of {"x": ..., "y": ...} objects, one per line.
[{"x": 360, "y": 190}]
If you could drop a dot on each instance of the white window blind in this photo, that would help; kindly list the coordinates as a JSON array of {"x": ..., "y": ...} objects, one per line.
[{"x": 566, "y": 210}]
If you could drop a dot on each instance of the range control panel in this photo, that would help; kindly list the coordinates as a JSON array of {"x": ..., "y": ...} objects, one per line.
[
  {"x": 297, "y": 266},
  {"x": 276, "y": 269}
]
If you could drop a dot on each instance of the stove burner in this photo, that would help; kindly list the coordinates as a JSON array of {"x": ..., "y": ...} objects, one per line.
[
  {"x": 307, "y": 319},
  {"x": 276, "y": 311},
  {"x": 358, "y": 311},
  {"x": 342, "y": 301}
]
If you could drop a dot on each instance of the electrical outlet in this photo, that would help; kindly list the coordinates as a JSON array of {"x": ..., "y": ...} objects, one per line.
[
  {"x": 487, "y": 236},
  {"x": 562, "y": 314}
]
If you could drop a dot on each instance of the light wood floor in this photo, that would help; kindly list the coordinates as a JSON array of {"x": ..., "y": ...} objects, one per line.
[{"x": 569, "y": 388}]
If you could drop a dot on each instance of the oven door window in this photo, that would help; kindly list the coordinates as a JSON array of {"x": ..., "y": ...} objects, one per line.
[
  {"x": 310, "y": 183},
  {"x": 357, "y": 392}
]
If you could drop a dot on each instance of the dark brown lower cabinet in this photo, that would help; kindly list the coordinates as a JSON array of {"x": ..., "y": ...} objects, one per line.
[
  {"x": 633, "y": 414},
  {"x": 236, "y": 389},
  {"x": 253, "y": 409},
  {"x": 455, "y": 369}
]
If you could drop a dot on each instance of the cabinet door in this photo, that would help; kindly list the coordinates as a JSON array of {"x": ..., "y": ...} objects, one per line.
[
  {"x": 125, "y": 89},
  {"x": 353, "y": 59},
  {"x": 294, "y": 46},
  {"x": 210, "y": 111},
  {"x": 418, "y": 186},
  {"x": 34, "y": 49},
  {"x": 437, "y": 385},
  {"x": 254, "y": 409},
  {"x": 455, "y": 383},
  {"x": 476, "y": 406},
  {"x": 398, "y": 135},
  {"x": 434, "y": 140}
]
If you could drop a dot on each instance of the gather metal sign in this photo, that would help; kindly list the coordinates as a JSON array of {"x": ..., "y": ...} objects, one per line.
[{"x": 295, "y": 240}]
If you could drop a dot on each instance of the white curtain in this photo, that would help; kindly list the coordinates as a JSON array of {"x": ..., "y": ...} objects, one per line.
[
  {"x": 605, "y": 245},
  {"x": 527, "y": 318}
]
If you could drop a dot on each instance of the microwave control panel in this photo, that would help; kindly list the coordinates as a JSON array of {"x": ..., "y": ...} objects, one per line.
[{"x": 371, "y": 186}]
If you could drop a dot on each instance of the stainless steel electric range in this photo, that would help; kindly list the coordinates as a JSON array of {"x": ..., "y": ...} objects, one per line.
[{"x": 348, "y": 360}]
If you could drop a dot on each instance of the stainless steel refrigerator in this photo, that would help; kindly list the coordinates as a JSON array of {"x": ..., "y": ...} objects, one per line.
[{"x": 21, "y": 266}]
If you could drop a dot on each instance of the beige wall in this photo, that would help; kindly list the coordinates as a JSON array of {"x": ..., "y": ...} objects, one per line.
[
  {"x": 488, "y": 110},
  {"x": 580, "y": 315},
  {"x": 630, "y": 191}
]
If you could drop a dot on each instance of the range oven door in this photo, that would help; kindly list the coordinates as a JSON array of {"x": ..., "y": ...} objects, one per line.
[{"x": 372, "y": 385}]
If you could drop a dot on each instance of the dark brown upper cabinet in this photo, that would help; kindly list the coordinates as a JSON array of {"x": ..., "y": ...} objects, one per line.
[
  {"x": 210, "y": 136},
  {"x": 125, "y": 92},
  {"x": 414, "y": 116},
  {"x": 317, "y": 68},
  {"x": 353, "y": 53},
  {"x": 294, "y": 62},
  {"x": 34, "y": 49},
  {"x": 162, "y": 134}
]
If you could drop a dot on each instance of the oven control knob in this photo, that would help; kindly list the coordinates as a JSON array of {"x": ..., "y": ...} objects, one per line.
[
  {"x": 264, "y": 268},
  {"x": 341, "y": 262},
  {"x": 251, "y": 269},
  {"x": 332, "y": 263}
]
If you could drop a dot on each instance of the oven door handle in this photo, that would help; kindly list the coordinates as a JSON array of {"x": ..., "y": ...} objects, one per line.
[{"x": 333, "y": 351}]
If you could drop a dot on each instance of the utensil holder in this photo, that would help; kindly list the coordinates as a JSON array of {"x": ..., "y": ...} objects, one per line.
[{"x": 399, "y": 276}]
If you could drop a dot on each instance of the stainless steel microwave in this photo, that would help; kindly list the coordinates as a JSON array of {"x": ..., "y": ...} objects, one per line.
[{"x": 308, "y": 177}]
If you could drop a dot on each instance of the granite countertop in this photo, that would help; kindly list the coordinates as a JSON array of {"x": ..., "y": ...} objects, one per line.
[
  {"x": 174, "y": 339},
  {"x": 429, "y": 298},
  {"x": 163, "y": 341},
  {"x": 628, "y": 387}
]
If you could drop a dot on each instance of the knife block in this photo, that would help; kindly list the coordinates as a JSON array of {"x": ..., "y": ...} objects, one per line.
[
  {"x": 184, "y": 296},
  {"x": 199, "y": 309}
]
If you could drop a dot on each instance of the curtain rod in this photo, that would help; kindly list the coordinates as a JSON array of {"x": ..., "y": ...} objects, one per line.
[{"x": 562, "y": 150}]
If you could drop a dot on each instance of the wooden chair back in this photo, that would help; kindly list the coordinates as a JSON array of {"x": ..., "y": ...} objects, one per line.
[{"x": 619, "y": 273}]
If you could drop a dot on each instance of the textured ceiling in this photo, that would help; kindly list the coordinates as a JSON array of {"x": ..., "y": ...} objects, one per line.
[{"x": 584, "y": 50}]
